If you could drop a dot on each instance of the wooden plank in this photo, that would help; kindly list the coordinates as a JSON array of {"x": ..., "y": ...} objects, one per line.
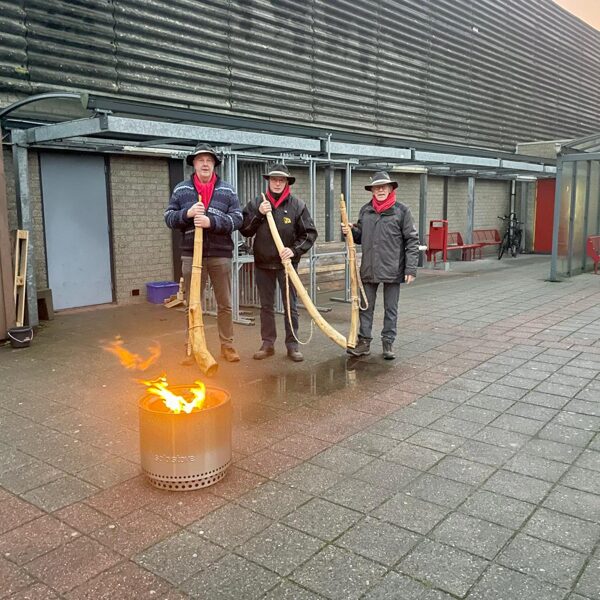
[{"x": 20, "y": 287}]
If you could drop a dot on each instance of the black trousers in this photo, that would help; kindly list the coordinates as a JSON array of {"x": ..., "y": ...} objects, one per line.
[{"x": 266, "y": 280}]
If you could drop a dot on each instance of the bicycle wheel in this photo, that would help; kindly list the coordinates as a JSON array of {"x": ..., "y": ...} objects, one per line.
[
  {"x": 503, "y": 246},
  {"x": 516, "y": 245}
]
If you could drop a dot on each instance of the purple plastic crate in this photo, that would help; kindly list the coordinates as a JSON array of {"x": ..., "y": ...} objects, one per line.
[{"x": 158, "y": 291}]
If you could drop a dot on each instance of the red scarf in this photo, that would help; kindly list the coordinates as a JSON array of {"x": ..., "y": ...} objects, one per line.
[
  {"x": 384, "y": 204},
  {"x": 205, "y": 190},
  {"x": 284, "y": 194}
]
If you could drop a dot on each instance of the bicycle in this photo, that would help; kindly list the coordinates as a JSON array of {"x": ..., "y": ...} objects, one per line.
[{"x": 511, "y": 241}]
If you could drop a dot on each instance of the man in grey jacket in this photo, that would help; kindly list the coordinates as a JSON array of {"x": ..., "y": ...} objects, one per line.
[{"x": 390, "y": 252}]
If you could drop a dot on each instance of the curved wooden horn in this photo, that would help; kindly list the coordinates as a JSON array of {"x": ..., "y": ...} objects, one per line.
[
  {"x": 354, "y": 299},
  {"x": 197, "y": 340},
  {"x": 324, "y": 326}
]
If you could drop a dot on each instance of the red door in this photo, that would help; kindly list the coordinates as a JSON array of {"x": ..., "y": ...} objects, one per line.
[{"x": 544, "y": 216}]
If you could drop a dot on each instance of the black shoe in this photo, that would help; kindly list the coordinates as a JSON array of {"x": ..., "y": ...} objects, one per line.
[
  {"x": 295, "y": 355},
  {"x": 363, "y": 348},
  {"x": 264, "y": 352},
  {"x": 388, "y": 350}
]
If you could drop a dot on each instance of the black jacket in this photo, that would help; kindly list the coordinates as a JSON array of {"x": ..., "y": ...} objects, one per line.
[
  {"x": 390, "y": 244},
  {"x": 223, "y": 211},
  {"x": 295, "y": 226}
]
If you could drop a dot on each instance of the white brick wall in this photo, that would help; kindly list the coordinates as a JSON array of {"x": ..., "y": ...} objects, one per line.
[{"x": 142, "y": 249}]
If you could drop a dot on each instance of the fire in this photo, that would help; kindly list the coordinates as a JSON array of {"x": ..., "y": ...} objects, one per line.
[
  {"x": 160, "y": 387},
  {"x": 130, "y": 360}
]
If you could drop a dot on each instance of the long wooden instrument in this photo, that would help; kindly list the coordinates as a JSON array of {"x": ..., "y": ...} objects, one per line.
[
  {"x": 196, "y": 338},
  {"x": 354, "y": 298},
  {"x": 325, "y": 327}
]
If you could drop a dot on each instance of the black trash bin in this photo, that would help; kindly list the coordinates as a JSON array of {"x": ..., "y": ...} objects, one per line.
[{"x": 20, "y": 337}]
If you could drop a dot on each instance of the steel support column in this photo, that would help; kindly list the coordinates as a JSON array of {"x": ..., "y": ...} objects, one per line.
[
  {"x": 572, "y": 220},
  {"x": 586, "y": 214},
  {"x": 423, "y": 187},
  {"x": 470, "y": 210},
  {"x": 25, "y": 219},
  {"x": 555, "y": 226},
  {"x": 523, "y": 210}
]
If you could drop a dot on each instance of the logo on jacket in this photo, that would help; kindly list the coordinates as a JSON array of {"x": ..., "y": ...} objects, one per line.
[{"x": 286, "y": 220}]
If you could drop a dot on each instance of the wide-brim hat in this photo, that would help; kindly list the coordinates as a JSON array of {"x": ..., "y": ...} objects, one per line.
[
  {"x": 279, "y": 170},
  {"x": 381, "y": 178},
  {"x": 203, "y": 148}
]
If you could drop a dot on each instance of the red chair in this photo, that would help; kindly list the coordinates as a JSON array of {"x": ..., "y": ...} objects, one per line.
[{"x": 593, "y": 250}]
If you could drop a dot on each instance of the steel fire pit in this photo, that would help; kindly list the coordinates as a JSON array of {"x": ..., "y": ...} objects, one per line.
[{"x": 185, "y": 451}]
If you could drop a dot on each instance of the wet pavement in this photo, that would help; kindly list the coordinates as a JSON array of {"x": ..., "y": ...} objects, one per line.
[{"x": 467, "y": 468}]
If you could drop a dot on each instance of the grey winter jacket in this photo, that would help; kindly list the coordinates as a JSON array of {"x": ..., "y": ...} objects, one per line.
[{"x": 390, "y": 244}]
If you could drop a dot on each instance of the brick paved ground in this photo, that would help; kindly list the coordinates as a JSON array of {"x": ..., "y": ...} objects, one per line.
[{"x": 468, "y": 468}]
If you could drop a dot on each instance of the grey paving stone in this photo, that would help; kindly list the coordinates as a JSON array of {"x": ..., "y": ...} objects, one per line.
[
  {"x": 589, "y": 583},
  {"x": 386, "y": 474},
  {"x": 497, "y": 508},
  {"x": 499, "y": 583},
  {"x": 563, "y": 530},
  {"x": 290, "y": 591},
  {"x": 543, "y": 560},
  {"x": 533, "y": 371},
  {"x": 568, "y": 380},
  {"x": 273, "y": 499},
  {"x": 566, "y": 435},
  {"x": 397, "y": 587},
  {"x": 310, "y": 478},
  {"x": 558, "y": 389},
  {"x": 417, "y": 416},
  {"x": 322, "y": 519},
  {"x": 494, "y": 403},
  {"x": 518, "y": 424},
  {"x": 449, "y": 392},
  {"x": 552, "y": 450},
  {"x": 501, "y": 437},
  {"x": 230, "y": 525},
  {"x": 444, "y": 567},
  {"x": 505, "y": 391},
  {"x": 535, "y": 466},
  {"x": 471, "y": 534},
  {"x": 574, "y": 502},
  {"x": 397, "y": 430},
  {"x": 578, "y": 420},
  {"x": 411, "y": 513},
  {"x": 518, "y": 486},
  {"x": 488, "y": 454},
  {"x": 543, "y": 399},
  {"x": 341, "y": 460},
  {"x": 455, "y": 426},
  {"x": 444, "y": 492},
  {"x": 438, "y": 405},
  {"x": 522, "y": 383},
  {"x": 60, "y": 492},
  {"x": 338, "y": 574},
  {"x": 532, "y": 411},
  {"x": 582, "y": 479},
  {"x": 370, "y": 443},
  {"x": 589, "y": 459},
  {"x": 178, "y": 557},
  {"x": 464, "y": 383},
  {"x": 231, "y": 578},
  {"x": 460, "y": 469},
  {"x": 378, "y": 540},
  {"x": 358, "y": 495},
  {"x": 584, "y": 406},
  {"x": 436, "y": 440},
  {"x": 280, "y": 548},
  {"x": 595, "y": 443},
  {"x": 413, "y": 456},
  {"x": 474, "y": 413},
  {"x": 28, "y": 476}
]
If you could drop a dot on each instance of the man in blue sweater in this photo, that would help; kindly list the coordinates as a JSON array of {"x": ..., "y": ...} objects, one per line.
[{"x": 219, "y": 215}]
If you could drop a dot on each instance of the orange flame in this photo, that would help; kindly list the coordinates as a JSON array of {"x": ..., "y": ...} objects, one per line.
[
  {"x": 159, "y": 387},
  {"x": 130, "y": 360}
]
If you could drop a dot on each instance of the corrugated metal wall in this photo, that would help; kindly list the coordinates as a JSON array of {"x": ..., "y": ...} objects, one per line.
[{"x": 477, "y": 72}]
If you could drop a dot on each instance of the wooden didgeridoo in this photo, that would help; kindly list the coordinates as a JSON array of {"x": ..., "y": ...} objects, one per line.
[
  {"x": 354, "y": 299},
  {"x": 197, "y": 341},
  {"x": 324, "y": 326}
]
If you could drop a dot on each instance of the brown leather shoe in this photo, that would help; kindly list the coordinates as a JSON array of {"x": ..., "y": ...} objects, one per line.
[
  {"x": 264, "y": 352},
  {"x": 229, "y": 354}
]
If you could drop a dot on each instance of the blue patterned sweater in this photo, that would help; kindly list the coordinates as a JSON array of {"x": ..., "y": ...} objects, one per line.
[{"x": 223, "y": 211}]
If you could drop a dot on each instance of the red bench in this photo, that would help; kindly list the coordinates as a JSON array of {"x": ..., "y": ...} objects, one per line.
[
  {"x": 486, "y": 237},
  {"x": 455, "y": 242},
  {"x": 593, "y": 250}
]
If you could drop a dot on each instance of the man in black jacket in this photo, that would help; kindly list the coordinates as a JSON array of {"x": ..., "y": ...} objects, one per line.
[
  {"x": 390, "y": 252},
  {"x": 219, "y": 215},
  {"x": 298, "y": 234}
]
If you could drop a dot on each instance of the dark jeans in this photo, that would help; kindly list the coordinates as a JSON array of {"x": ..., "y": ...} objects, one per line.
[
  {"x": 391, "y": 295},
  {"x": 218, "y": 268},
  {"x": 265, "y": 282}
]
